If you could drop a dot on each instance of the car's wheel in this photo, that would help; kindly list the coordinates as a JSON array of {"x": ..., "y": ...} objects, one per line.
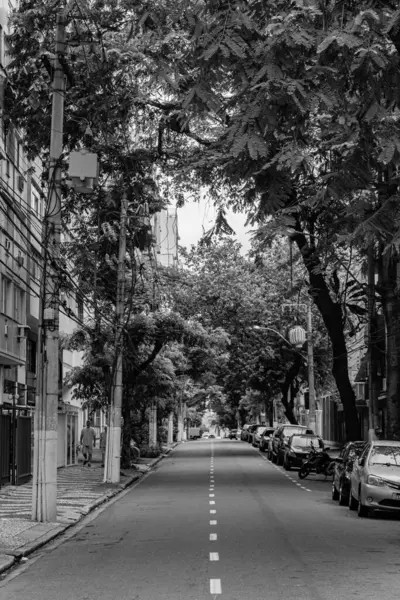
[
  {"x": 343, "y": 499},
  {"x": 352, "y": 501},
  {"x": 335, "y": 493},
  {"x": 362, "y": 510}
]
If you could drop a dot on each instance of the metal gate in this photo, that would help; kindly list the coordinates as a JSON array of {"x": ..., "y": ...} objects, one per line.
[
  {"x": 23, "y": 454},
  {"x": 15, "y": 446},
  {"x": 5, "y": 449}
]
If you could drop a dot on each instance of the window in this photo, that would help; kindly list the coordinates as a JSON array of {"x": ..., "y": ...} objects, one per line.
[
  {"x": 19, "y": 305},
  {"x": 6, "y": 297},
  {"x": 31, "y": 356},
  {"x": 18, "y": 154},
  {"x": 7, "y": 168},
  {"x": 97, "y": 418},
  {"x": 35, "y": 203}
]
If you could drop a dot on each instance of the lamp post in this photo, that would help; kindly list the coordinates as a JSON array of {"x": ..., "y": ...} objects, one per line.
[
  {"x": 310, "y": 357},
  {"x": 297, "y": 337}
]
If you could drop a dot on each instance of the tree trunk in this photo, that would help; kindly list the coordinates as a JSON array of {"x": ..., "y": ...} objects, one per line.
[
  {"x": 332, "y": 316},
  {"x": 286, "y": 386},
  {"x": 391, "y": 309}
]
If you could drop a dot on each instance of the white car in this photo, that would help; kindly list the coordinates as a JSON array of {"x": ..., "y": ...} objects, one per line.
[
  {"x": 375, "y": 478},
  {"x": 205, "y": 435}
]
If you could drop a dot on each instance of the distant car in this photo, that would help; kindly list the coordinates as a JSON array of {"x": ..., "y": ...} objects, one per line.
[
  {"x": 375, "y": 478},
  {"x": 211, "y": 436},
  {"x": 244, "y": 432},
  {"x": 265, "y": 438},
  {"x": 257, "y": 435},
  {"x": 280, "y": 438},
  {"x": 232, "y": 434},
  {"x": 298, "y": 449},
  {"x": 205, "y": 435},
  {"x": 250, "y": 433},
  {"x": 343, "y": 469}
]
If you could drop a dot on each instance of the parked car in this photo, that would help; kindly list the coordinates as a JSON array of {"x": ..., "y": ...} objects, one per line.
[
  {"x": 375, "y": 478},
  {"x": 246, "y": 431},
  {"x": 205, "y": 435},
  {"x": 281, "y": 435},
  {"x": 343, "y": 469},
  {"x": 232, "y": 434},
  {"x": 250, "y": 433},
  {"x": 259, "y": 434},
  {"x": 265, "y": 438},
  {"x": 298, "y": 449},
  {"x": 243, "y": 433}
]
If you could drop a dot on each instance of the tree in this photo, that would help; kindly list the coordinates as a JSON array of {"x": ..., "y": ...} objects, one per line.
[{"x": 223, "y": 289}]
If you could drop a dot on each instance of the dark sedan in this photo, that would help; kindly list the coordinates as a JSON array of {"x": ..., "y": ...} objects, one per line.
[
  {"x": 343, "y": 469},
  {"x": 298, "y": 449}
]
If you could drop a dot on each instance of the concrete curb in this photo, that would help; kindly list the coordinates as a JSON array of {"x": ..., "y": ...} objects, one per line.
[{"x": 9, "y": 560}]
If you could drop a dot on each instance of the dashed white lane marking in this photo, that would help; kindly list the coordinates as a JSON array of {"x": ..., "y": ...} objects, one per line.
[
  {"x": 213, "y": 522},
  {"x": 213, "y": 511},
  {"x": 213, "y": 537},
  {"x": 214, "y": 556},
  {"x": 211, "y": 495},
  {"x": 288, "y": 476},
  {"x": 211, "y": 489},
  {"x": 212, "y": 501},
  {"x": 215, "y": 586}
]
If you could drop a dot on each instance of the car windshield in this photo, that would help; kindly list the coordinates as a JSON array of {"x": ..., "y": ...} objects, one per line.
[
  {"x": 385, "y": 455},
  {"x": 305, "y": 442},
  {"x": 268, "y": 432},
  {"x": 260, "y": 430}
]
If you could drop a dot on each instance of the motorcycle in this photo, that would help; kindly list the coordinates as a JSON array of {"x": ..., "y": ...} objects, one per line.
[{"x": 320, "y": 462}]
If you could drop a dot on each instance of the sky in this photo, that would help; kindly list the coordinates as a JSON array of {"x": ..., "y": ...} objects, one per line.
[{"x": 197, "y": 217}]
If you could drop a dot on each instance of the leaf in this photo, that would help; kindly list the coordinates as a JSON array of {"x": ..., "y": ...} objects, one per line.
[{"x": 357, "y": 309}]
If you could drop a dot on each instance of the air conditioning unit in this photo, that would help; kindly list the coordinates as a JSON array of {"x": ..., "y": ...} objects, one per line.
[
  {"x": 22, "y": 332},
  {"x": 21, "y": 183},
  {"x": 7, "y": 244}
]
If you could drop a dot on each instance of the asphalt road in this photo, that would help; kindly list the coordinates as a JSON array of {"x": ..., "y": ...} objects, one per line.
[{"x": 217, "y": 520}]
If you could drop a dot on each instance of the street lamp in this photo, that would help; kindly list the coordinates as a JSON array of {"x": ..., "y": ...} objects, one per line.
[
  {"x": 297, "y": 334},
  {"x": 297, "y": 337}
]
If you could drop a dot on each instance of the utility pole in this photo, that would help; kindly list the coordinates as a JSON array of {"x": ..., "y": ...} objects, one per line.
[
  {"x": 372, "y": 383},
  {"x": 44, "y": 488},
  {"x": 310, "y": 360},
  {"x": 113, "y": 449}
]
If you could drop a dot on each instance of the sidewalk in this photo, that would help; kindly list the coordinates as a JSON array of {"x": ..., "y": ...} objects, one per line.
[{"x": 79, "y": 491}]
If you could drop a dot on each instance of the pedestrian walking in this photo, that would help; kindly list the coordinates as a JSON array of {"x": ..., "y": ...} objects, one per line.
[
  {"x": 103, "y": 442},
  {"x": 88, "y": 441}
]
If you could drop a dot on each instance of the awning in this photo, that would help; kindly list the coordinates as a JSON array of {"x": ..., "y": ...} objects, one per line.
[{"x": 12, "y": 360}]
